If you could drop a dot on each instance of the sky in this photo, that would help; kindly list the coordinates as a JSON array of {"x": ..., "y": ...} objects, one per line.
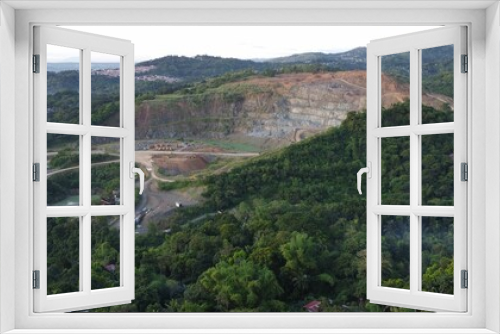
[{"x": 243, "y": 42}]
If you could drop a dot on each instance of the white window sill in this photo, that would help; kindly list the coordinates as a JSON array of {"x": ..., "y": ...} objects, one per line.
[{"x": 251, "y": 331}]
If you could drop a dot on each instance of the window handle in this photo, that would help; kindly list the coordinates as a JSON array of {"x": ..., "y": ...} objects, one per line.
[
  {"x": 368, "y": 171},
  {"x": 134, "y": 171}
]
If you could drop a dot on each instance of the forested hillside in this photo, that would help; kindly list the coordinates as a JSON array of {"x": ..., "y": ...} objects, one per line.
[
  {"x": 270, "y": 233},
  {"x": 287, "y": 228}
]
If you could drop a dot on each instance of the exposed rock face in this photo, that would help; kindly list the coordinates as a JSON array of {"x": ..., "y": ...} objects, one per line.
[{"x": 267, "y": 107}]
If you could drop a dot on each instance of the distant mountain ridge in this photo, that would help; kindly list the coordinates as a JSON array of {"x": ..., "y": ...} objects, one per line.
[
  {"x": 204, "y": 66},
  {"x": 192, "y": 69},
  {"x": 199, "y": 67},
  {"x": 352, "y": 59},
  {"x": 59, "y": 67},
  {"x": 169, "y": 73}
]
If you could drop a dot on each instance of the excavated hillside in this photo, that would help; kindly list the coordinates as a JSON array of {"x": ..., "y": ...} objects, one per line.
[{"x": 287, "y": 106}]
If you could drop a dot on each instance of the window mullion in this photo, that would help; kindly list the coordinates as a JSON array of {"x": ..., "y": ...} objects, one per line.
[
  {"x": 421, "y": 211},
  {"x": 86, "y": 117},
  {"x": 373, "y": 188},
  {"x": 418, "y": 163},
  {"x": 414, "y": 170},
  {"x": 81, "y": 257},
  {"x": 85, "y": 273},
  {"x": 85, "y": 166},
  {"x": 128, "y": 155}
]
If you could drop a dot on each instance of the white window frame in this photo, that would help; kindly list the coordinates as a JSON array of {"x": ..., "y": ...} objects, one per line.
[
  {"x": 483, "y": 313},
  {"x": 414, "y": 297},
  {"x": 85, "y": 297}
]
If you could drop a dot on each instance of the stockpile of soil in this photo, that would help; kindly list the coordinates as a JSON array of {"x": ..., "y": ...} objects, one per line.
[{"x": 177, "y": 165}]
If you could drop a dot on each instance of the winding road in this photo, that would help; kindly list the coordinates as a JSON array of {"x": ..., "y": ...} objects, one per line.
[
  {"x": 217, "y": 154},
  {"x": 145, "y": 158},
  {"x": 57, "y": 171},
  {"x": 158, "y": 204}
]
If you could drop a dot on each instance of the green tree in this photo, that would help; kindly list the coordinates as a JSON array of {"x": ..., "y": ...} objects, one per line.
[{"x": 240, "y": 284}]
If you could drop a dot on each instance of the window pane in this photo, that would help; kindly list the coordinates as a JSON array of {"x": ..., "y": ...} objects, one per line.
[
  {"x": 63, "y": 255},
  {"x": 437, "y": 254},
  {"x": 437, "y": 84},
  {"x": 396, "y": 252},
  {"x": 437, "y": 169},
  {"x": 63, "y": 170},
  {"x": 396, "y": 171},
  {"x": 105, "y": 171},
  {"x": 105, "y": 88},
  {"x": 63, "y": 84},
  {"x": 105, "y": 252},
  {"x": 395, "y": 89}
]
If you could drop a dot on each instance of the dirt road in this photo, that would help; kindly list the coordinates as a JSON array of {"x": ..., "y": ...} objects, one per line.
[
  {"x": 57, "y": 171},
  {"x": 159, "y": 204},
  {"x": 145, "y": 158}
]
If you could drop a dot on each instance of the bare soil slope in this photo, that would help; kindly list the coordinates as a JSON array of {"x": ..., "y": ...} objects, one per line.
[{"x": 284, "y": 107}]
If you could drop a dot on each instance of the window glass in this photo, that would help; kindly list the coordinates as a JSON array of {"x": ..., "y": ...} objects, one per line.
[
  {"x": 437, "y": 254},
  {"x": 63, "y": 170},
  {"x": 105, "y": 251},
  {"x": 395, "y": 89},
  {"x": 437, "y": 169},
  {"x": 437, "y": 84},
  {"x": 396, "y": 251},
  {"x": 63, "y": 255},
  {"x": 395, "y": 171},
  {"x": 105, "y": 171},
  {"x": 63, "y": 84},
  {"x": 105, "y": 88}
]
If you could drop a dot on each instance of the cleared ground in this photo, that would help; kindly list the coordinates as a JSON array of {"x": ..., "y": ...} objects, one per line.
[{"x": 156, "y": 205}]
